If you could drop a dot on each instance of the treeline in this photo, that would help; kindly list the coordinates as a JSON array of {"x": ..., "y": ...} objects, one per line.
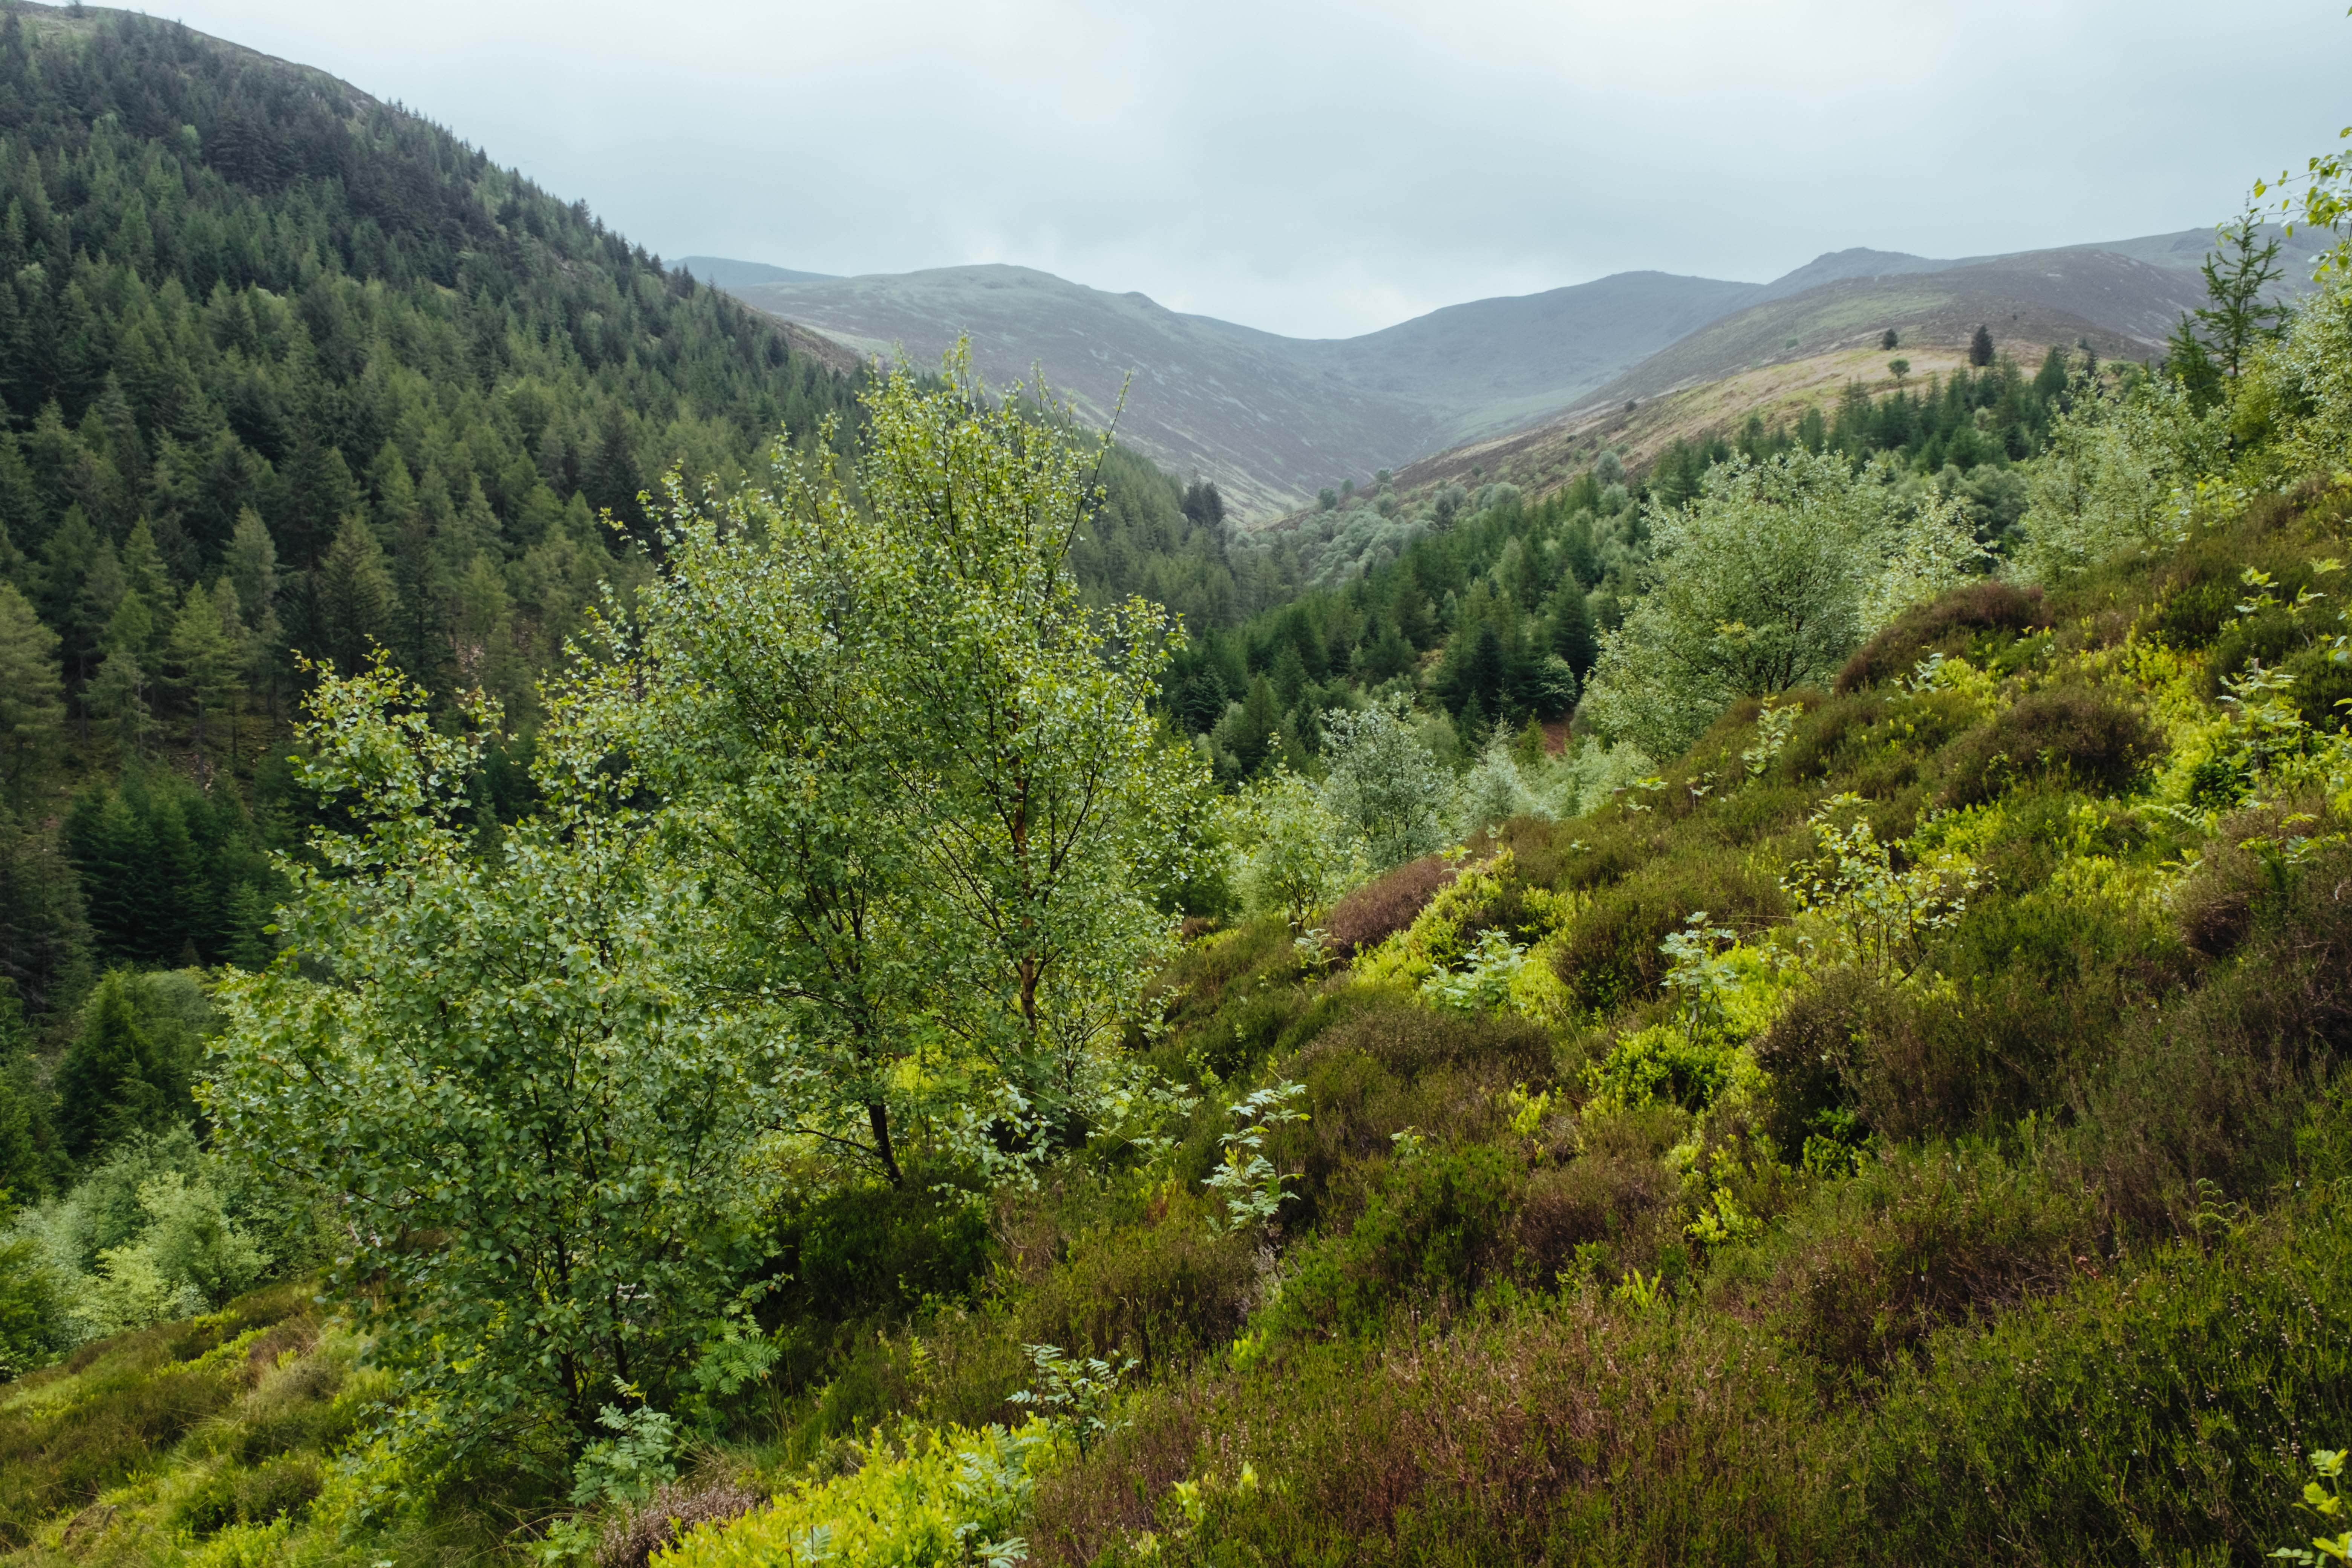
[{"x": 1491, "y": 610}]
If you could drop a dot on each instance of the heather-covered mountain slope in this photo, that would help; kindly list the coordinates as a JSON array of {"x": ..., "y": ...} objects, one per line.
[{"x": 1273, "y": 420}]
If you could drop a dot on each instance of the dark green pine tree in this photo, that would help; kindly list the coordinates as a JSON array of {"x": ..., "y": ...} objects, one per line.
[
  {"x": 125, "y": 1072},
  {"x": 2241, "y": 317},
  {"x": 1572, "y": 630},
  {"x": 1980, "y": 347},
  {"x": 245, "y": 916},
  {"x": 2188, "y": 361},
  {"x": 1249, "y": 732}
]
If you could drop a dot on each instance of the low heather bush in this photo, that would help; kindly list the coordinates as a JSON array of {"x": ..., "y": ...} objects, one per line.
[
  {"x": 1925, "y": 1236},
  {"x": 2093, "y": 738},
  {"x": 2203, "y": 1097},
  {"x": 1622, "y": 1203},
  {"x": 1941, "y": 624},
  {"x": 1611, "y": 956},
  {"x": 1162, "y": 1293},
  {"x": 1436, "y": 1225},
  {"x": 1409, "y": 1039},
  {"x": 1385, "y": 905},
  {"x": 634, "y": 1535}
]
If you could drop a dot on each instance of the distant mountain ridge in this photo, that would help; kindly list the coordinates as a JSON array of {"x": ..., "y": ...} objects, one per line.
[
  {"x": 720, "y": 273},
  {"x": 1272, "y": 419}
]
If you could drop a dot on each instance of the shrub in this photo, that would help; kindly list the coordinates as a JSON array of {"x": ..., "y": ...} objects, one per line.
[
  {"x": 674, "y": 1508},
  {"x": 1618, "y": 1201},
  {"x": 2088, "y": 736},
  {"x": 1386, "y": 904},
  {"x": 1410, "y": 1040},
  {"x": 2203, "y": 1097},
  {"x": 1580, "y": 1436},
  {"x": 1436, "y": 1225},
  {"x": 31, "y": 1310},
  {"x": 1924, "y": 1237},
  {"x": 2162, "y": 1409},
  {"x": 1162, "y": 1293},
  {"x": 2044, "y": 984},
  {"x": 1611, "y": 955},
  {"x": 2243, "y": 862},
  {"x": 1809, "y": 1057},
  {"x": 1976, "y": 607},
  {"x": 1394, "y": 1071},
  {"x": 928, "y": 1497},
  {"x": 276, "y": 1489},
  {"x": 1823, "y": 738},
  {"x": 876, "y": 1249},
  {"x": 1664, "y": 1064}
]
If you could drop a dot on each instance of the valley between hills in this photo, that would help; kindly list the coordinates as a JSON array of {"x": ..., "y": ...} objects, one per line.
[
  {"x": 1273, "y": 420},
  {"x": 1669, "y": 922}
]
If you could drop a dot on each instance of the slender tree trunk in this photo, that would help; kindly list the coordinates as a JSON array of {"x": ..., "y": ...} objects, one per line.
[{"x": 877, "y": 1117}]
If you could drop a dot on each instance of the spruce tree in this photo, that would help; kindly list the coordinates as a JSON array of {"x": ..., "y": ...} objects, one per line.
[
  {"x": 32, "y": 703},
  {"x": 1980, "y": 347},
  {"x": 2188, "y": 361},
  {"x": 126, "y": 1071},
  {"x": 354, "y": 597},
  {"x": 1572, "y": 636},
  {"x": 2241, "y": 317}
]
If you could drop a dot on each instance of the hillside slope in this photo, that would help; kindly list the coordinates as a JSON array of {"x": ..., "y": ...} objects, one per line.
[
  {"x": 2121, "y": 307},
  {"x": 1275, "y": 419},
  {"x": 1776, "y": 358},
  {"x": 1208, "y": 397}
]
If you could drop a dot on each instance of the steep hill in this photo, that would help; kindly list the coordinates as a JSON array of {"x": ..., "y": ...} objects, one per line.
[
  {"x": 721, "y": 273},
  {"x": 1208, "y": 397},
  {"x": 1792, "y": 350},
  {"x": 1273, "y": 419}
]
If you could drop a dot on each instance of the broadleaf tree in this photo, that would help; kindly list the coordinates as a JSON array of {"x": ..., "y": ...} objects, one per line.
[
  {"x": 1766, "y": 581},
  {"x": 917, "y": 772},
  {"x": 537, "y": 1142}
]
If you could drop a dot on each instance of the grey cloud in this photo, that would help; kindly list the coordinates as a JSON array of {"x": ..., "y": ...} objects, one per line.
[{"x": 1322, "y": 169}]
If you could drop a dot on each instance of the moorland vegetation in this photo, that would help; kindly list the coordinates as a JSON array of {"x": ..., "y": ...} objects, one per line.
[{"x": 841, "y": 1035}]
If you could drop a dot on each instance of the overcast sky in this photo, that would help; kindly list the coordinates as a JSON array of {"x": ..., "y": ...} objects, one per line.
[{"x": 1321, "y": 169}]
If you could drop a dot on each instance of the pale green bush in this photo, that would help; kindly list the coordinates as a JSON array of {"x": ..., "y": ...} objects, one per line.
[
  {"x": 1766, "y": 582},
  {"x": 929, "y": 1498},
  {"x": 2121, "y": 474}
]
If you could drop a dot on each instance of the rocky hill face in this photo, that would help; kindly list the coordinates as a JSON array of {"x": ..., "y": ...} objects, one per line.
[{"x": 1272, "y": 419}]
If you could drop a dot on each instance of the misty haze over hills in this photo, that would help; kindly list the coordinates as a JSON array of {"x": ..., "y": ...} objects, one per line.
[{"x": 1272, "y": 419}]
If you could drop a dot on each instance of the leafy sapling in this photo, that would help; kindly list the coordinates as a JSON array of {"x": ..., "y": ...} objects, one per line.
[
  {"x": 1775, "y": 723},
  {"x": 627, "y": 1466},
  {"x": 2326, "y": 1504},
  {"x": 1698, "y": 974},
  {"x": 1246, "y": 1180},
  {"x": 1074, "y": 1394},
  {"x": 1483, "y": 983},
  {"x": 1871, "y": 911}
]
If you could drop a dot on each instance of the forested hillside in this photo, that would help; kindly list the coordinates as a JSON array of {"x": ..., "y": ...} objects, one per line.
[
  {"x": 1487, "y": 606},
  {"x": 287, "y": 372}
]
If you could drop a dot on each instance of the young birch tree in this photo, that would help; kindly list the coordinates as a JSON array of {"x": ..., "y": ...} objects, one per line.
[
  {"x": 920, "y": 775},
  {"x": 538, "y": 1141},
  {"x": 1768, "y": 581}
]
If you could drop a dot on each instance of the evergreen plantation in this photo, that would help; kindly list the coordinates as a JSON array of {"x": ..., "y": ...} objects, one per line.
[{"x": 904, "y": 996}]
